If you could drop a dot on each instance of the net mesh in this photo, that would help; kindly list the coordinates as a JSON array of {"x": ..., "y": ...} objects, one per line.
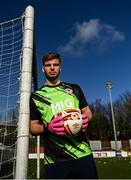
[
  {"x": 11, "y": 40},
  {"x": 11, "y": 37}
]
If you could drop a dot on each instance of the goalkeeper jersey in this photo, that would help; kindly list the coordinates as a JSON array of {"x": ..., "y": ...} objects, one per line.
[{"x": 45, "y": 104}]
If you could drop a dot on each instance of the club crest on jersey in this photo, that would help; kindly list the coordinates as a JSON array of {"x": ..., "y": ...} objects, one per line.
[{"x": 69, "y": 91}]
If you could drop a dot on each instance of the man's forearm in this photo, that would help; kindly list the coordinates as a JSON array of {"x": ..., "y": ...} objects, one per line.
[
  {"x": 88, "y": 112},
  {"x": 36, "y": 129}
]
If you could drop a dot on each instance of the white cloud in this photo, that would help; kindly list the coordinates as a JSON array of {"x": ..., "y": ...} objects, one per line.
[{"x": 91, "y": 34}]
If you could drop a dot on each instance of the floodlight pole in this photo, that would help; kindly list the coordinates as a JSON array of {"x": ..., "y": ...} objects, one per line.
[{"x": 109, "y": 86}]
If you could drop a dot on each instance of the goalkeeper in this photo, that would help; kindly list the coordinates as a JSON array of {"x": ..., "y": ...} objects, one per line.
[{"x": 64, "y": 156}]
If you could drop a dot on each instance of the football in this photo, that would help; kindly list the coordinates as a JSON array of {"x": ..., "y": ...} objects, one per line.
[{"x": 72, "y": 121}]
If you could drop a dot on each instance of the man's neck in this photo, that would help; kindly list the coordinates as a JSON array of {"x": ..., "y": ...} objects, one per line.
[{"x": 53, "y": 82}]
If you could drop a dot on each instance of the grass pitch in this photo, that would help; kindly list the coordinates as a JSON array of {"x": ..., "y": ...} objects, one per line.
[
  {"x": 114, "y": 168},
  {"x": 107, "y": 168}
]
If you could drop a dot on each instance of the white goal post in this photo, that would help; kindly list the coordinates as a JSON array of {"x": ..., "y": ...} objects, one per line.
[{"x": 25, "y": 90}]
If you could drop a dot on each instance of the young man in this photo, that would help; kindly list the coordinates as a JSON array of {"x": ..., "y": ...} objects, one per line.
[{"x": 64, "y": 156}]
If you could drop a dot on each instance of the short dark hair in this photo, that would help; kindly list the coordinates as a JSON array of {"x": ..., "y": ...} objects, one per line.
[{"x": 51, "y": 55}]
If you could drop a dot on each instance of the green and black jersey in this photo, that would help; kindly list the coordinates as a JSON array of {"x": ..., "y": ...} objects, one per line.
[{"x": 45, "y": 104}]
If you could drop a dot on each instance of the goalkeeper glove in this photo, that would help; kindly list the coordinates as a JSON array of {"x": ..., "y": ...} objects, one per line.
[
  {"x": 84, "y": 122},
  {"x": 56, "y": 126}
]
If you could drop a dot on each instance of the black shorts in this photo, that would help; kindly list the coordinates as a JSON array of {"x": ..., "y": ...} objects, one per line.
[{"x": 82, "y": 168}]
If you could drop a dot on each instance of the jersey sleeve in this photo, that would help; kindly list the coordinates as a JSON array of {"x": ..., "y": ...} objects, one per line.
[
  {"x": 82, "y": 100},
  {"x": 34, "y": 113}
]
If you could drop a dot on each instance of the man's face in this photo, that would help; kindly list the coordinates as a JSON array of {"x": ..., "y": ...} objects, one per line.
[{"x": 52, "y": 69}]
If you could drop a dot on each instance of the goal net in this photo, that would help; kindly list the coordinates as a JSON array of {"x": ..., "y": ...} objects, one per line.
[{"x": 11, "y": 58}]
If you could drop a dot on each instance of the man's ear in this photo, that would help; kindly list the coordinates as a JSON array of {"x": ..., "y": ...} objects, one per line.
[{"x": 43, "y": 69}]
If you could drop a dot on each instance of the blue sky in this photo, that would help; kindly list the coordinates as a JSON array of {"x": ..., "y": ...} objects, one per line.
[{"x": 92, "y": 36}]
